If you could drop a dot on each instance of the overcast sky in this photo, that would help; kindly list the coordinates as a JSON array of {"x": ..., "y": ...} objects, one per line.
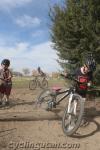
[{"x": 24, "y": 34}]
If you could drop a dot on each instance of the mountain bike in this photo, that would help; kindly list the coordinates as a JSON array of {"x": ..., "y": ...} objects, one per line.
[
  {"x": 74, "y": 110},
  {"x": 38, "y": 81}
]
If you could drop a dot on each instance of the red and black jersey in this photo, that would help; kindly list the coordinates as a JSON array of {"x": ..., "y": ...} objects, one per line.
[{"x": 83, "y": 79}]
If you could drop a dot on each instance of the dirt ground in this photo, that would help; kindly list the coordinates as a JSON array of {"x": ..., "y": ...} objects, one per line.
[{"x": 25, "y": 127}]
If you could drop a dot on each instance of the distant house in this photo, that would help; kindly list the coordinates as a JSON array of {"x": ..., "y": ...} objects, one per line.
[
  {"x": 55, "y": 75},
  {"x": 17, "y": 74}
]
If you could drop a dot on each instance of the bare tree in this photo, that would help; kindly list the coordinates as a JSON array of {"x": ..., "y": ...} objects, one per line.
[{"x": 26, "y": 71}]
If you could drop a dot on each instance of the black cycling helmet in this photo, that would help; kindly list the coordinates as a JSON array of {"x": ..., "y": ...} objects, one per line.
[
  {"x": 5, "y": 62},
  {"x": 89, "y": 61}
]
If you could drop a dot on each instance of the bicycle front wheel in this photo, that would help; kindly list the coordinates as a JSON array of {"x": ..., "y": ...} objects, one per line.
[
  {"x": 32, "y": 84},
  {"x": 73, "y": 115}
]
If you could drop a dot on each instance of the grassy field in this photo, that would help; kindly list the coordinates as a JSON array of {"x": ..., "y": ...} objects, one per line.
[{"x": 23, "y": 82}]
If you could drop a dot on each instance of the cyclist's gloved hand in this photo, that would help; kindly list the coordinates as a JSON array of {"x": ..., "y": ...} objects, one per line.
[{"x": 89, "y": 84}]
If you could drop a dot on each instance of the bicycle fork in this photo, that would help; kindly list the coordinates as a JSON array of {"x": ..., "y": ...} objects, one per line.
[{"x": 70, "y": 108}]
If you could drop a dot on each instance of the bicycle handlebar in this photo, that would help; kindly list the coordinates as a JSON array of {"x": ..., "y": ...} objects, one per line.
[{"x": 72, "y": 78}]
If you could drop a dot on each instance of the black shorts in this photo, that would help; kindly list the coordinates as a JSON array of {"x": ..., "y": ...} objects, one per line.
[{"x": 6, "y": 89}]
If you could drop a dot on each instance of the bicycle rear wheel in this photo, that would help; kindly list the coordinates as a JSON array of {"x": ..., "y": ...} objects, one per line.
[
  {"x": 44, "y": 84},
  {"x": 44, "y": 98},
  {"x": 73, "y": 116},
  {"x": 32, "y": 84}
]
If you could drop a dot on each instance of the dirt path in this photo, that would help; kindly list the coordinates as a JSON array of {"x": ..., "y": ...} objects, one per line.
[{"x": 24, "y": 127}]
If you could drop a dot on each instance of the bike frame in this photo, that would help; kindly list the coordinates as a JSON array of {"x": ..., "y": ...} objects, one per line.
[
  {"x": 37, "y": 78},
  {"x": 66, "y": 91}
]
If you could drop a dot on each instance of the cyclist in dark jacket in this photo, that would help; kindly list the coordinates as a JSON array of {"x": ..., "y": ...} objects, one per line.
[
  {"x": 84, "y": 75},
  {"x": 41, "y": 73}
]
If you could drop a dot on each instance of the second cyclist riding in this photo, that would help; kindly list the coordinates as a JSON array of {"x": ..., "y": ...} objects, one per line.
[{"x": 38, "y": 81}]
